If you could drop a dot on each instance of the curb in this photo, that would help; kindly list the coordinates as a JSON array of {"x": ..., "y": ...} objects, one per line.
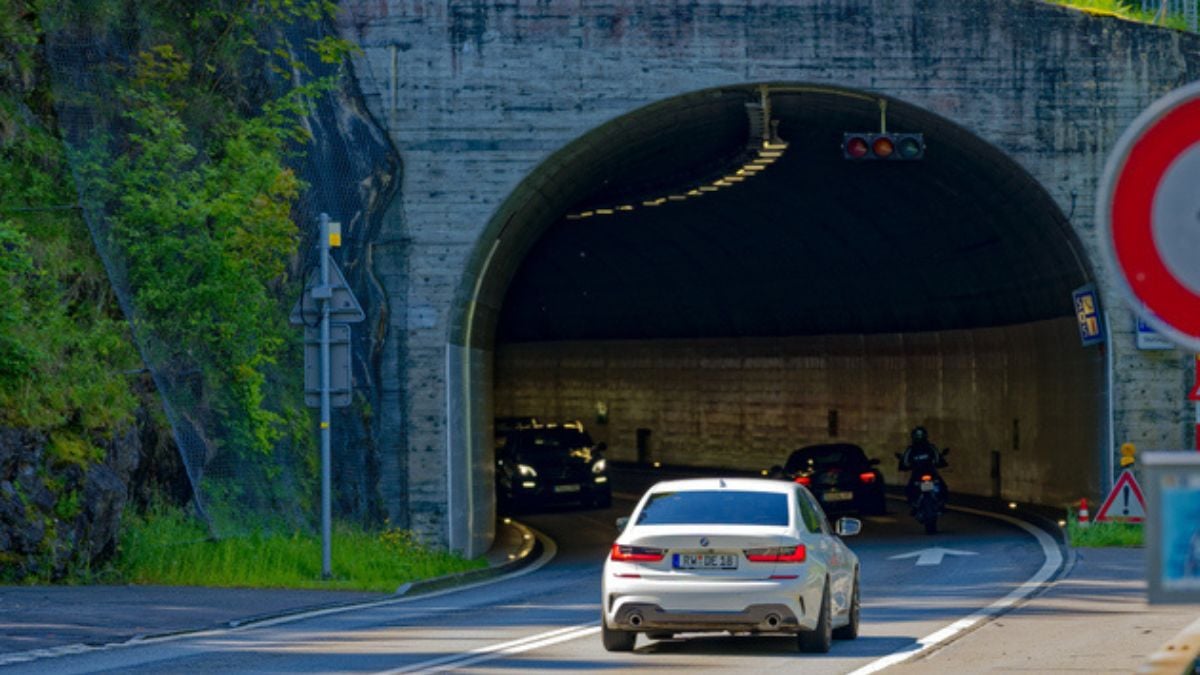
[
  {"x": 531, "y": 549},
  {"x": 1177, "y": 656}
]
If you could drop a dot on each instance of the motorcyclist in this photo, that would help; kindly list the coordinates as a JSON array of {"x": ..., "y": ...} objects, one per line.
[{"x": 922, "y": 456}]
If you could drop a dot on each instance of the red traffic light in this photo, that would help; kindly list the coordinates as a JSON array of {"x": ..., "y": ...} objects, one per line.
[
  {"x": 855, "y": 147},
  {"x": 865, "y": 146}
]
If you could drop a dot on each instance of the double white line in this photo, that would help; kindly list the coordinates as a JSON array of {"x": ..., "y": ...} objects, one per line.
[{"x": 499, "y": 651}]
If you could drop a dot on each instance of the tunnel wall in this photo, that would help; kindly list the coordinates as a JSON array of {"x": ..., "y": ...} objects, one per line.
[
  {"x": 1029, "y": 392},
  {"x": 484, "y": 100}
]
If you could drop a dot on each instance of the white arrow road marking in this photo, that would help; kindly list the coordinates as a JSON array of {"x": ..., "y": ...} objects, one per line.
[
  {"x": 1051, "y": 567},
  {"x": 931, "y": 556}
]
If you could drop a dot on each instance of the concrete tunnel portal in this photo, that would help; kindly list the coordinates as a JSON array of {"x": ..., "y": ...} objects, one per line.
[{"x": 816, "y": 299}]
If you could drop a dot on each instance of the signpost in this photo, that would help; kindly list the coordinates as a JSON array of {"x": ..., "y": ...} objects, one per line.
[
  {"x": 327, "y": 298},
  {"x": 1147, "y": 212}
]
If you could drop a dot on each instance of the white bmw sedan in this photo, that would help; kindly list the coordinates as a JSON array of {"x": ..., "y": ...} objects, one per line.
[{"x": 742, "y": 555}]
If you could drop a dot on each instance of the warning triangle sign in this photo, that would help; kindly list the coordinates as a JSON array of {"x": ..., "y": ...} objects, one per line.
[
  {"x": 343, "y": 306},
  {"x": 1125, "y": 503}
]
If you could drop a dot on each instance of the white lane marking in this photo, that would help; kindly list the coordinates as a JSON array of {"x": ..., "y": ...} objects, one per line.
[
  {"x": 931, "y": 556},
  {"x": 551, "y": 550},
  {"x": 498, "y": 651},
  {"x": 1050, "y": 567}
]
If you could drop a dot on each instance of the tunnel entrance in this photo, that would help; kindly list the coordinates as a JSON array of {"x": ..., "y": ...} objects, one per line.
[{"x": 722, "y": 319}]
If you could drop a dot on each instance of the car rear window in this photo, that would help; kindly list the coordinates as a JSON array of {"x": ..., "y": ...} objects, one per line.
[
  {"x": 817, "y": 458},
  {"x": 715, "y": 507}
]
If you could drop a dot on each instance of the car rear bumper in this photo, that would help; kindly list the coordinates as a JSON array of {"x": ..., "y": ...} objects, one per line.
[
  {"x": 755, "y": 618},
  {"x": 785, "y": 605}
]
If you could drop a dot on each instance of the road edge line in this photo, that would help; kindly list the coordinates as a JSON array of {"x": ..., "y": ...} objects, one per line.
[
  {"x": 520, "y": 568},
  {"x": 1051, "y": 567}
]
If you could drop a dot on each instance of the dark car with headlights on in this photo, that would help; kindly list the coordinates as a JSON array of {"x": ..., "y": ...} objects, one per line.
[
  {"x": 839, "y": 475},
  {"x": 551, "y": 464}
]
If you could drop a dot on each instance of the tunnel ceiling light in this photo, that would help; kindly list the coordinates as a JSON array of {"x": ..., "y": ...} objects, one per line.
[{"x": 764, "y": 148}]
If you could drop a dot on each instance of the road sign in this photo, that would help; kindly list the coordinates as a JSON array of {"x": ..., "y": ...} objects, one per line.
[
  {"x": 343, "y": 306},
  {"x": 1125, "y": 502},
  {"x": 339, "y": 366},
  {"x": 1173, "y": 528},
  {"x": 1147, "y": 211},
  {"x": 1150, "y": 339},
  {"x": 1087, "y": 315}
]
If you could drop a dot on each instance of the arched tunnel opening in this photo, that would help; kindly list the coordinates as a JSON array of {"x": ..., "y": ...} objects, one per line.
[{"x": 812, "y": 299}]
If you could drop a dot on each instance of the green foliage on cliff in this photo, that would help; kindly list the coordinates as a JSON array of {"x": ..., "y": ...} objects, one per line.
[{"x": 63, "y": 345}]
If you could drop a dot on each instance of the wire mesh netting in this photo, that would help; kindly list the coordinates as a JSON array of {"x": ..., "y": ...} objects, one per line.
[{"x": 189, "y": 159}]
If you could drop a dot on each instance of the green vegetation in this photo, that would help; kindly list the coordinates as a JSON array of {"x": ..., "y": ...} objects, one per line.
[
  {"x": 168, "y": 547},
  {"x": 1099, "y": 535},
  {"x": 1130, "y": 10}
]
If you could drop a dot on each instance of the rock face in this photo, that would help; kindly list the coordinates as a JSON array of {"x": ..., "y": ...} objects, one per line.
[{"x": 57, "y": 516}]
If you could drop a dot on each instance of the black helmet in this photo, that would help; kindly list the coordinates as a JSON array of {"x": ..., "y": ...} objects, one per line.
[{"x": 919, "y": 434}]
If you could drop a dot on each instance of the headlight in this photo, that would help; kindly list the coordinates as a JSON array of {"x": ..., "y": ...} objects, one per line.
[
  {"x": 526, "y": 471},
  {"x": 600, "y": 466}
]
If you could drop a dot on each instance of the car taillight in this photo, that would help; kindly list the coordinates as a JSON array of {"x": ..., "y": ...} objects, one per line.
[
  {"x": 783, "y": 554},
  {"x": 804, "y": 480},
  {"x": 867, "y": 477},
  {"x": 927, "y": 477},
  {"x": 636, "y": 553}
]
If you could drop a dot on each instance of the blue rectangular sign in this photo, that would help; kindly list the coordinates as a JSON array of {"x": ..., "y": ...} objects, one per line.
[
  {"x": 1148, "y": 338},
  {"x": 1087, "y": 313}
]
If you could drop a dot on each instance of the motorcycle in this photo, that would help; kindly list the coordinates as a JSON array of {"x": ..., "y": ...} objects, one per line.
[{"x": 926, "y": 492}]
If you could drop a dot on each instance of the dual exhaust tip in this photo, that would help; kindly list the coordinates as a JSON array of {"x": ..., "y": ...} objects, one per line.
[{"x": 772, "y": 620}]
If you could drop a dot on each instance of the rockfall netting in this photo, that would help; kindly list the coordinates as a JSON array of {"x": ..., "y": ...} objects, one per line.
[{"x": 189, "y": 129}]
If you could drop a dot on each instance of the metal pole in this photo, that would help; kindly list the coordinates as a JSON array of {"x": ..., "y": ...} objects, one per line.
[{"x": 325, "y": 295}]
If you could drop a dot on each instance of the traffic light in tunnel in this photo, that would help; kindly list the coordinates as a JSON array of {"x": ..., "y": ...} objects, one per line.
[{"x": 896, "y": 147}]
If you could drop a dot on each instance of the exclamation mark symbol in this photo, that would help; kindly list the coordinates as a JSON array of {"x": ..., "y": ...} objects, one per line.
[{"x": 1125, "y": 494}]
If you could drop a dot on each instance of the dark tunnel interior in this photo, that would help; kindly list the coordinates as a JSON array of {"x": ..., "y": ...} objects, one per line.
[{"x": 815, "y": 244}]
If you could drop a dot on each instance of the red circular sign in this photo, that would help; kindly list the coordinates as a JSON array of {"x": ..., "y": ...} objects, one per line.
[{"x": 1149, "y": 214}]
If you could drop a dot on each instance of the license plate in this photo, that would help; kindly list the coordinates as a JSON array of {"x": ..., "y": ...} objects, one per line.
[
  {"x": 705, "y": 561},
  {"x": 926, "y": 486},
  {"x": 566, "y": 488},
  {"x": 837, "y": 496}
]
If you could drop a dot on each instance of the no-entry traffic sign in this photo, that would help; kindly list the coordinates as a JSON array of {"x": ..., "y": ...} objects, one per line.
[{"x": 1149, "y": 215}]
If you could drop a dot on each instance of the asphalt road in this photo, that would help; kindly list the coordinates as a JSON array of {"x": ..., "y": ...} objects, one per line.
[{"x": 547, "y": 617}]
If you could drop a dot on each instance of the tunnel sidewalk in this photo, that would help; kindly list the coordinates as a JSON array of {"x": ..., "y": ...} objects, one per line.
[{"x": 40, "y": 621}]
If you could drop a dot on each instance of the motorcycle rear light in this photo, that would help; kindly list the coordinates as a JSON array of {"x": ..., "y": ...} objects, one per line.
[
  {"x": 783, "y": 554},
  {"x": 636, "y": 553},
  {"x": 927, "y": 477},
  {"x": 804, "y": 480},
  {"x": 867, "y": 477}
]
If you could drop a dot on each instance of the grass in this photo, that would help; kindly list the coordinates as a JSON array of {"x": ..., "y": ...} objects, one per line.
[
  {"x": 1100, "y": 535},
  {"x": 1123, "y": 9},
  {"x": 170, "y": 548}
]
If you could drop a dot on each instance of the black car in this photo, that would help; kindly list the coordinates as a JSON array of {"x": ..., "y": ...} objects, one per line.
[
  {"x": 548, "y": 464},
  {"x": 839, "y": 475}
]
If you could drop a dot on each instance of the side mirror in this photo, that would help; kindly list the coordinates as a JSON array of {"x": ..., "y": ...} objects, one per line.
[
  {"x": 874, "y": 461},
  {"x": 621, "y": 523},
  {"x": 945, "y": 451},
  {"x": 601, "y": 446},
  {"x": 848, "y": 527}
]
